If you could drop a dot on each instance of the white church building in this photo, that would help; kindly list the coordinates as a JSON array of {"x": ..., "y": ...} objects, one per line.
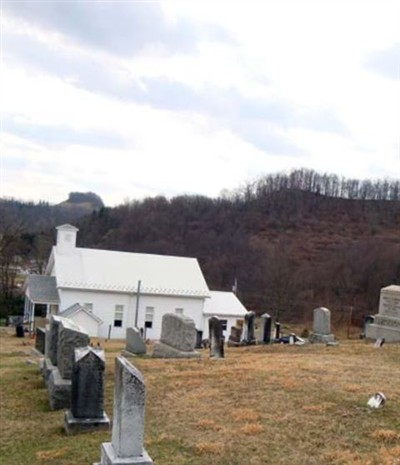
[{"x": 107, "y": 291}]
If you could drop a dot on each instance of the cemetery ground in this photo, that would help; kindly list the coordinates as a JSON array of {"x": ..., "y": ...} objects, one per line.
[{"x": 275, "y": 404}]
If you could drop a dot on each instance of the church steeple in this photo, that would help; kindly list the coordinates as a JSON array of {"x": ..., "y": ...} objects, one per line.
[{"x": 66, "y": 238}]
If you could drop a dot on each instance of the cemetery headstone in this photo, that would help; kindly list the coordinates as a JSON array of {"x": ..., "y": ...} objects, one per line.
[
  {"x": 51, "y": 347},
  {"x": 53, "y": 338},
  {"x": 199, "y": 340},
  {"x": 70, "y": 337},
  {"x": 322, "y": 327},
  {"x": 19, "y": 330},
  {"x": 368, "y": 320},
  {"x": 216, "y": 337},
  {"x": 248, "y": 333},
  {"x": 277, "y": 331},
  {"x": 87, "y": 396},
  {"x": 126, "y": 446},
  {"x": 178, "y": 338},
  {"x": 234, "y": 337},
  {"x": 387, "y": 322},
  {"x": 265, "y": 335},
  {"x": 134, "y": 342},
  {"x": 40, "y": 340}
]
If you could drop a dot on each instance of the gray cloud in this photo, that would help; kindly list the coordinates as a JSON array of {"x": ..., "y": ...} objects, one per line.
[
  {"x": 123, "y": 28},
  {"x": 250, "y": 118},
  {"x": 386, "y": 62},
  {"x": 61, "y": 136}
]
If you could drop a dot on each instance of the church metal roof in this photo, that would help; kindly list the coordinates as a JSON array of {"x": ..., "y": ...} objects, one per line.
[
  {"x": 224, "y": 303},
  {"x": 105, "y": 270},
  {"x": 42, "y": 289}
]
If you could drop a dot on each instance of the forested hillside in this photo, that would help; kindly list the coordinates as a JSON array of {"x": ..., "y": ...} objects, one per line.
[{"x": 292, "y": 242}]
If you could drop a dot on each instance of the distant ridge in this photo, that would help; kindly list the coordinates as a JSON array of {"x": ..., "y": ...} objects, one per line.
[
  {"x": 33, "y": 217},
  {"x": 84, "y": 201}
]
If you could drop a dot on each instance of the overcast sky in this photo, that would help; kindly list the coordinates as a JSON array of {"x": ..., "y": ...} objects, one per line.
[{"x": 133, "y": 99}]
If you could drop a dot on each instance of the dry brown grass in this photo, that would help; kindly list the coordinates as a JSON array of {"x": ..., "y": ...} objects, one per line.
[
  {"x": 386, "y": 435},
  {"x": 260, "y": 405},
  {"x": 208, "y": 448},
  {"x": 251, "y": 428}
]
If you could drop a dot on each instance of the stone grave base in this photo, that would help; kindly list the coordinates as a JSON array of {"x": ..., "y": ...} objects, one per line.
[
  {"x": 108, "y": 457},
  {"x": 126, "y": 353},
  {"x": 74, "y": 425},
  {"x": 47, "y": 369},
  {"x": 246, "y": 342},
  {"x": 376, "y": 331},
  {"x": 41, "y": 365},
  {"x": 162, "y": 350},
  {"x": 316, "y": 338},
  {"x": 36, "y": 352},
  {"x": 59, "y": 391},
  {"x": 233, "y": 343}
]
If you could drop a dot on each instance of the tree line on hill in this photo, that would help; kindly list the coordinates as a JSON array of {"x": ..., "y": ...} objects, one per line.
[
  {"x": 329, "y": 185},
  {"x": 290, "y": 241}
]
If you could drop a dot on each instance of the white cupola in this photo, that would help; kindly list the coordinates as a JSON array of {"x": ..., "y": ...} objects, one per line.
[{"x": 66, "y": 239}]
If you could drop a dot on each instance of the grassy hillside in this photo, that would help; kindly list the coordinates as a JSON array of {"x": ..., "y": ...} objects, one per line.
[{"x": 278, "y": 405}]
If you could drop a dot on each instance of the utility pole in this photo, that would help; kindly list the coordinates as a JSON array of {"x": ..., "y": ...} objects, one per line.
[
  {"x": 137, "y": 303},
  {"x": 235, "y": 287}
]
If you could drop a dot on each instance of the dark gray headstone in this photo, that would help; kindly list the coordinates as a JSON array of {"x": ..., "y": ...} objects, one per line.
[
  {"x": 199, "y": 340},
  {"x": 19, "y": 331},
  {"x": 266, "y": 323},
  {"x": 277, "y": 331},
  {"x": 87, "y": 394},
  {"x": 134, "y": 342},
  {"x": 248, "y": 332},
  {"x": 216, "y": 337},
  {"x": 88, "y": 383},
  {"x": 40, "y": 340},
  {"x": 53, "y": 338},
  {"x": 70, "y": 337},
  {"x": 47, "y": 341},
  {"x": 126, "y": 445}
]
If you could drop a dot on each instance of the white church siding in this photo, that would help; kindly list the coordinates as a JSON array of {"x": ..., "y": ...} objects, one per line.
[
  {"x": 192, "y": 307},
  {"x": 103, "y": 306}
]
